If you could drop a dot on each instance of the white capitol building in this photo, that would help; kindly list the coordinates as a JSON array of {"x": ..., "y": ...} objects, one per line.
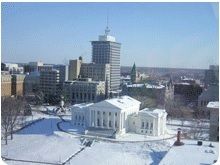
[{"x": 119, "y": 115}]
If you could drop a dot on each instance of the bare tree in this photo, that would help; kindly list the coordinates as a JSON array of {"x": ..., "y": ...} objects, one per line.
[
  {"x": 5, "y": 119},
  {"x": 11, "y": 108}
]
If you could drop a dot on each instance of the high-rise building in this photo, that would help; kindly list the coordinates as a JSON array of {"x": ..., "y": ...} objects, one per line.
[
  {"x": 50, "y": 82},
  {"x": 63, "y": 72},
  {"x": 212, "y": 75},
  {"x": 74, "y": 68},
  {"x": 5, "y": 85},
  {"x": 31, "y": 83},
  {"x": 17, "y": 84},
  {"x": 107, "y": 51}
]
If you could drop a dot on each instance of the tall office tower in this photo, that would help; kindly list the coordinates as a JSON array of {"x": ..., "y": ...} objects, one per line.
[
  {"x": 50, "y": 82},
  {"x": 107, "y": 51},
  {"x": 74, "y": 68},
  {"x": 212, "y": 75},
  {"x": 63, "y": 74}
]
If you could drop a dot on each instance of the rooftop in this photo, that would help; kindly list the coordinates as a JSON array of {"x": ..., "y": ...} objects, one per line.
[
  {"x": 83, "y": 105},
  {"x": 146, "y": 85},
  {"x": 152, "y": 112},
  {"x": 123, "y": 102},
  {"x": 213, "y": 104},
  {"x": 191, "y": 153}
]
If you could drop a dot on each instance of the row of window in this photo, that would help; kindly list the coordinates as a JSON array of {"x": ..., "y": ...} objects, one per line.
[
  {"x": 146, "y": 125},
  {"x": 110, "y": 113},
  {"x": 105, "y": 123},
  {"x": 83, "y": 97},
  {"x": 79, "y": 118}
]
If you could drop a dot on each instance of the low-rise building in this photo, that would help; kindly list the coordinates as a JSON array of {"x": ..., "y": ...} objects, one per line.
[
  {"x": 84, "y": 91},
  {"x": 149, "y": 122},
  {"x": 186, "y": 92},
  {"x": 213, "y": 108},
  {"x": 152, "y": 91},
  {"x": 97, "y": 72},
  {"x": 14, "y": 68},
  {"x": 119, "y": 115}
]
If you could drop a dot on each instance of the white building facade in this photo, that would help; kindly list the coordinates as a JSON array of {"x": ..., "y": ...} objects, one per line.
[
  {"x": 120, "y": 115},
  {"x": 149, "y": 122}
]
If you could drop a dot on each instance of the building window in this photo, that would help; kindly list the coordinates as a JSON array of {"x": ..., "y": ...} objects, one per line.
[
  {"x": 103, "y": 113},
  {"x": 110, "y": 123},
  {"x": 146, "y": 125},
  {"x": 79, "y": 118},
  {"x": 151, "y": 125},
  {"x": 109, "y": 113},
  {"x": 104, "y": 123},
  {"x": 133, "y": 123},
  {"x": 76, "y": 117},
  {"x": 116, "y": 114},
  {"x": 98, "y": 122},
  {"x": 142, "y": 125},
  {"x": 115, "y": 123},
  {"x": 98, "y": 112}
]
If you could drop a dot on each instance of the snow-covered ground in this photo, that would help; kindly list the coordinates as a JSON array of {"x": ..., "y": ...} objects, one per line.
[
  {"x": 41, "y": 142},
  {"x": 141, "y": 153},
  {"x": 44, "y": 142}
]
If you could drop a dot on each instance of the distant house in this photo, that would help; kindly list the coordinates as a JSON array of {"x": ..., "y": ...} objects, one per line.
[{"x": 117, "y": 115}]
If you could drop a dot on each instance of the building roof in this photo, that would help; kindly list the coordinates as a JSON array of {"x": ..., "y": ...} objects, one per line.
[
  {"x": 213, "y": 104},
  {"x": 116, "y": 104},
  {"x": 83, "y": 105},
  {"x": 123, "y": 102},
  {"x": 153, "y": 112},
  {"x": 135, "y": 85},
  {"x": 191, "y": 153},
  {"x": 154, "y": 86},
  {"x": 146, "y": 85}
]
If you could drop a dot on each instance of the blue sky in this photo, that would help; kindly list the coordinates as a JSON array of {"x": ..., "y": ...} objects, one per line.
[{"x": 181, "y": 35}]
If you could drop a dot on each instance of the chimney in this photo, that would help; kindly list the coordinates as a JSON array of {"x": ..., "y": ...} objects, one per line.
[{"x": 178, "y": 142}]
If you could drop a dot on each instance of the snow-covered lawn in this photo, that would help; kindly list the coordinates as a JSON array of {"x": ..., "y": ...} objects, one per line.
[
  {"x": 44, "y": 142},
  {"x": 41, "y": 142},
  {"x": 106, "y": 153}
]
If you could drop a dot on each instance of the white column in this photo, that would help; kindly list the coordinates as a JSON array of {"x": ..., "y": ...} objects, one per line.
[
  {"x": 120, "y": 121},
  {"x": 90, "y": 119},
  {"x": 114, "y": 120},
  {"x": 101, "y": 119},
  {"x": 95, "y": 123},
  {"x": 107, "y": 114}
]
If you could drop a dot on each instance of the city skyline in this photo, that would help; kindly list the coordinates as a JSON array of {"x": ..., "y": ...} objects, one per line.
[{"x": 152, "y": 34}]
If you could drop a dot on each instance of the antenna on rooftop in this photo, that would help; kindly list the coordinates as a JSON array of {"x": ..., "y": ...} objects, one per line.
[{"x": 107, "y": 30}]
